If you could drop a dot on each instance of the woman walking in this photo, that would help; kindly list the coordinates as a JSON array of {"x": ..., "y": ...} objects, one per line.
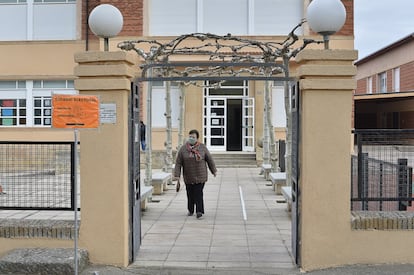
[{"x": 194, "y": 157}]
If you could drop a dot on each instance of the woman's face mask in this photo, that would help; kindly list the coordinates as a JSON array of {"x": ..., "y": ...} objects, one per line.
[{"x": 192, "y": 140}]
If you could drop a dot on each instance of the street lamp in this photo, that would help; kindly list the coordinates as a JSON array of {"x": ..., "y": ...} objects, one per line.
[
  {"x": 105, "y": 21},
  {"x": 326, "y": 17}
]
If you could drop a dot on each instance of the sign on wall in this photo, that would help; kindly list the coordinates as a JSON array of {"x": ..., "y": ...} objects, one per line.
[{"x": 75, "y": 111}]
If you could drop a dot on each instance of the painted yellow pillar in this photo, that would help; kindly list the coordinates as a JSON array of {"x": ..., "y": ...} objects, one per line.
[
  {"x": 104, "y": 158},
  {"x": 326, "y": 82}
]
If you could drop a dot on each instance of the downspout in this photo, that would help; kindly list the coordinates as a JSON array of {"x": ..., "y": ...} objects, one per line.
[{"x": 87, "y": 27}]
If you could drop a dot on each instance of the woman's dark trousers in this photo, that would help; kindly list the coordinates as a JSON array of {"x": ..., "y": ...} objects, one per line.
[{"x": 195, "y": 197}]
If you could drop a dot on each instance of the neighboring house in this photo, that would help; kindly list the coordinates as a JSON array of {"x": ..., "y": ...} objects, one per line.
[
  {"x": 37, "y": 49},
  {"x": 384, "y": 98}
]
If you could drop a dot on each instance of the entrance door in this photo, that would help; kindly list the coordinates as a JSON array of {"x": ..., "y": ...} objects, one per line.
[
  {"x": 215, "y": 124},
  {"x": 234, "y": 123},
  {"x": 248, "y": 125}
]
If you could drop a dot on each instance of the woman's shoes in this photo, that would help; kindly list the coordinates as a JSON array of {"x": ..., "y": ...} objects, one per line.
[
  {"x": 199, "y": 216},
  {"x": 190, "y": 213}
]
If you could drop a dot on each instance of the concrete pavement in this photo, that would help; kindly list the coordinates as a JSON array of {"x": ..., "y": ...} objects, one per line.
[
  {"x": 244, "y": 227},
  {"x": 246, "y": 230}
]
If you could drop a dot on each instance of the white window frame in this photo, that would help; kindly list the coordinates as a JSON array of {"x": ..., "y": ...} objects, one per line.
[
  {"x": 396, "y": 80},
  {"x": 278, "y": 104},
  {"x": 382, "y": 82},
  {"x": 39, "y": 20},
  {"x": 250, "y": 17},
  {"x": 369, "y": 85},
  {"x": 30, "y": 94},
  {"x": 158, "y": 104}
]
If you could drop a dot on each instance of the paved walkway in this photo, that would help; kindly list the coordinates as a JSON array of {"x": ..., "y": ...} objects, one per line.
[{"x": 244, "y": 227}]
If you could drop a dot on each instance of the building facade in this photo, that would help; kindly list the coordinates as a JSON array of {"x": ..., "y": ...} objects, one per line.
[
  {"x": 37, "y": 60},
  {"x": 384, "y": 97}
]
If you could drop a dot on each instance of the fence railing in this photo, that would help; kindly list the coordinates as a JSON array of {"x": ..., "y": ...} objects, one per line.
[
  {"x": 382, "y": 170},
  {"x": 37, "y": 175}
]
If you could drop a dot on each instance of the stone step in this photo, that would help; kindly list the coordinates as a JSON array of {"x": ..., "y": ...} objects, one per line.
[
  {"x": 235, "y": 159},
  {"x": 50, "y": 261}
]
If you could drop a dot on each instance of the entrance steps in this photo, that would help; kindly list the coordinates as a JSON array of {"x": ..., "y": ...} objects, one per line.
[{"x": 234, "y": 159}]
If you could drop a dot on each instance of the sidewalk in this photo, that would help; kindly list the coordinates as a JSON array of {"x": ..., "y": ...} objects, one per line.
[
  {"x": 231, "y": 239},
  {"x": 244, "y": 227},
  {"x": 224, "y": 242}
]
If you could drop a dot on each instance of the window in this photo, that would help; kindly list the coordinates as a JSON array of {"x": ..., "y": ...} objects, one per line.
[
  {"x": 396, "y": 80},
  {"x": 158, "y": 104},
  {"x": 240, "y": 17},
  {"x": 369, "y": 85},
  {"x": 278, "y": 104},
  {"x": 28, "y": 103},
  {"x": 13, "y": 112},
  {"x": 38, "y": 20},
  {"x": 42, "y": 106},
  {"x": 382, "y": 82}
]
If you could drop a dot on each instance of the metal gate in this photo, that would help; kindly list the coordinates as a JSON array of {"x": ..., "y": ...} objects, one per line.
[
  {"x": 295, "y": 108},
  {"x": 134, "y": 174}
]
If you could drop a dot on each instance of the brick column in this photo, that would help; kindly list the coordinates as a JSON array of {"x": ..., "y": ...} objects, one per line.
[
  {"x": 326, "y": 82},
  {"x": 104, "y": 225}
]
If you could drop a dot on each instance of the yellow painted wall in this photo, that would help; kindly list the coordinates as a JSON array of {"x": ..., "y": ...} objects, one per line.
[
  {"x": 326, "y": 236},
  {"x": 38, "y": 60},
  {"x": 104, "y": 230}
]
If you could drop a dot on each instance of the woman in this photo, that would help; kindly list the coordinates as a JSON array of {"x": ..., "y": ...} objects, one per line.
[{"x": 194, "y": 157}]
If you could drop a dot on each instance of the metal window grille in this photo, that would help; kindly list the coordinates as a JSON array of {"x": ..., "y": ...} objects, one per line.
[
  {"x": 382, "y": 170},
  {"x": 37, "y": 175}
]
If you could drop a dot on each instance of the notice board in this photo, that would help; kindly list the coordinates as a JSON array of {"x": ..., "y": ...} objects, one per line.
[{"x": 75, "y": 111}]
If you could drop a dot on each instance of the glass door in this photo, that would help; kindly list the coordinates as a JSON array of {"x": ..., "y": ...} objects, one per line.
[
  {"x": 248, "y": 125},
  {"x": 215, "y": 124}
]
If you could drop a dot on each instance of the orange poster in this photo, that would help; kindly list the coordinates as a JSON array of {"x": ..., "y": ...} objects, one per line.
[{"x": 75, "y": 111}]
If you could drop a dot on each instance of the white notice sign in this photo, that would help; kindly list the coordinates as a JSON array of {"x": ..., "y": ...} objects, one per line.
[{"x": 108, "y": 113}]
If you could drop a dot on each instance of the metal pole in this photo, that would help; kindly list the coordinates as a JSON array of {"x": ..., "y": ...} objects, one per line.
[
  {"x": 75, "y": 200},
  {"x": 106, "y": 44},
  {"x": 326, "y": 41}
]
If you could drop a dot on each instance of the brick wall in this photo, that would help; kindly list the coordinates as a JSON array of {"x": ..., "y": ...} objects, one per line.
[
  {"x": 407, "y": 77},
  {"x": 348, "y": 27},
  {"x": 132, "y": 11},
  {"x": 361, "y": 86},
  {"x": 389, "y": 81}
]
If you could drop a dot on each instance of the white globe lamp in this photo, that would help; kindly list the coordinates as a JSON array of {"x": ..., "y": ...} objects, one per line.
[
  {"x": 326, "y": 17},
  {"x": 105, "y": 21}
]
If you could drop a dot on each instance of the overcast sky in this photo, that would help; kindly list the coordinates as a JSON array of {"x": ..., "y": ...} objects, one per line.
[{"x": 379, "y": 23}]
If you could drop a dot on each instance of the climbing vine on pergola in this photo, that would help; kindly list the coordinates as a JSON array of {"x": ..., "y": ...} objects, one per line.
[{"x": 219, "y": 58}]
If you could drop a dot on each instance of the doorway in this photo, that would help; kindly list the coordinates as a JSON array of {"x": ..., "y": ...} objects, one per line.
[{"x": 234, "y": 125}]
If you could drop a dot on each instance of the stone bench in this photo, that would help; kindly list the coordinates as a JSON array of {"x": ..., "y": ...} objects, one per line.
[
  {"x": 159, "y": 182},
  {"x": 146, "y": 193},
  {"x": 287, "y": 194},
  {"x": 266, "y": 168},
  {"x": 278, "y": 180}
]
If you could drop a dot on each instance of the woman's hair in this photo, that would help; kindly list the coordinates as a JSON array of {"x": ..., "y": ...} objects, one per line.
[{"x": 194, "y": 131}]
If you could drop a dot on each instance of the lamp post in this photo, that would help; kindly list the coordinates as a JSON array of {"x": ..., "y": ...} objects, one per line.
[
  {"x": 105, "y": 21},
  {"x": 326, "y": 17}
]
